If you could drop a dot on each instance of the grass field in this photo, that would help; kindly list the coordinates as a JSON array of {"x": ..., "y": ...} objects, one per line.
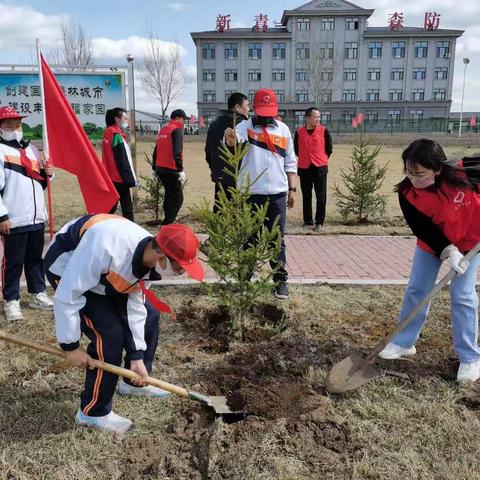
[{"x": 68, "y": 202}]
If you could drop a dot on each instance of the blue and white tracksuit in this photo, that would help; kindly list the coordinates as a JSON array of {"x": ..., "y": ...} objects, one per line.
[{"x": 95, "y": 264}]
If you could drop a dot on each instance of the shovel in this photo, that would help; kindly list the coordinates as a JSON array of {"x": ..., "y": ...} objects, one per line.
[
  {"x": 218, "y": 404},
  {"x": 355, "y": 370}
]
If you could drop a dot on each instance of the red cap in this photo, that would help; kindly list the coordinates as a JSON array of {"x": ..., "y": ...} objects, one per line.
[
  {"x": 9, "y": 112},
  {"x": 265, "y": 103},
  {"x": 180, "y": 243}
]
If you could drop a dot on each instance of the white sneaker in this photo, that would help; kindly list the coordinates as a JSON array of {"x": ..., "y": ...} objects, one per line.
[
  {"x": 111, "y": 422},
  {"x": 393, "y": 351},
  {"x": 13, "y": 312},
  {"x": 468, "y": 372},
  {"x": 148, "y": 391},
  {"x": 41, "y": 301}
]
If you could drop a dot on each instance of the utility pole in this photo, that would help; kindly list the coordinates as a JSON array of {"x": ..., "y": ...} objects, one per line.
[
  {"x": 466, "y": 61},
  {"x": 131, "y": 109}
]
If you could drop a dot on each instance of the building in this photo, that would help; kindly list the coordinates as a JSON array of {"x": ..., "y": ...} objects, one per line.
[{"x": 324, "y": 53}]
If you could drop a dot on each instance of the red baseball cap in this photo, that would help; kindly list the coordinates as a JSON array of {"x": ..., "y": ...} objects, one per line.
[
  {"x": 180, "y": 243},
  {"x": 265, "y": 103},
  {"x": 9, "y": 112}
]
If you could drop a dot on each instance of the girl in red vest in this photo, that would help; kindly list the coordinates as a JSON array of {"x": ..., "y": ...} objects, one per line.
[{"x": 441, "y": 204}]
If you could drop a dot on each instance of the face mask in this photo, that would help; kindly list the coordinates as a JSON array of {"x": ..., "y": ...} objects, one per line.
[
  {"x": 168, "y": 272},
  {"x": 124, "y": 125},
  {"x": 424, "y": 183},
  {"x": 11, "y": 135}
]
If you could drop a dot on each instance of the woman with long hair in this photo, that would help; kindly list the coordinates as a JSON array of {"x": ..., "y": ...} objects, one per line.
[{"x": 440, "y": 201}]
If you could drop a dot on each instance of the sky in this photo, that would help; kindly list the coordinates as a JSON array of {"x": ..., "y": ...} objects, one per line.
[{"x": 119, "y": 27}]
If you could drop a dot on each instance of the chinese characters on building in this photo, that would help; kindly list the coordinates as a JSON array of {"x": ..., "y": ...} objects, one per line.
[
  {"x": 432, "y": 20},
  {"x": 395, "y": 21},
  {"x": 261, "y": 23},
  {"x": 223, "y": 23}
]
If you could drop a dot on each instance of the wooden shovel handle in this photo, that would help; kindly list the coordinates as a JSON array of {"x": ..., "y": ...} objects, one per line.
[
  {"x": 400, "y": 326},
  {"x": 107, "y": 367}
]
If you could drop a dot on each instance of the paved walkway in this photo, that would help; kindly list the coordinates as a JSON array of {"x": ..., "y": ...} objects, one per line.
[{"x": 342, "y": 259}]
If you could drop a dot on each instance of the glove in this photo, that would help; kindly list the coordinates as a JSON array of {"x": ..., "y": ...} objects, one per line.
[
  {"x": 182, "y": 177},
  {"x": 455, "y": 259}
]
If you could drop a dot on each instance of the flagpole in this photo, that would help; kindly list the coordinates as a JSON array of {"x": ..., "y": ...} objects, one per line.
[{"x": 46, "y": 150}]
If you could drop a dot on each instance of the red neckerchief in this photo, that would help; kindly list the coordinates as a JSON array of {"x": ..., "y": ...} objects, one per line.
[
  {"x": 118, "y": 130},
  {"x": 27, "y": 165},
  {"x": 159, "y": 305},
  {"x": 269, "y": 142}
]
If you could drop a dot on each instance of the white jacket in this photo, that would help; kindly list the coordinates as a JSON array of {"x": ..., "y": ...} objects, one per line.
[
  {"x": 21, "y": 199},
  {"x": 266, "y": 169}
]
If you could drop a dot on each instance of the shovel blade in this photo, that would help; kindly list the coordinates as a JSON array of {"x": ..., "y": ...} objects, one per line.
[
  {"x": 219, "y": 405},
  {"x": 349, "y": 374}
]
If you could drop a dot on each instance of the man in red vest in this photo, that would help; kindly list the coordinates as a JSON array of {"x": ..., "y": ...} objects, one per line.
[
  {"x": 117, "y": 159},
  {"x": 313, "y": 146},
  {"x": 168, "y": 155}
]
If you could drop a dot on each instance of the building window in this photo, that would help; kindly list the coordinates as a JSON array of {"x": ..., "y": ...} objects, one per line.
[
  {"x": 251, "y": 95},
  {"x": 443, "y": 49},
  {"x": 208, "y": 75},
  {"x": 228, "y": 93},
  {"x": 441, "y": 73},
  {"x": 328, "y": 24},
  {"x": 209, "y": 96},
  {"x": 418, "y": 94},
  {"x": 299, "y": 118},
  {"x": 349, "y": 74},
  {"x": 373, "y": 95},
  {"x": 278, "y": 74},
  {"x": 395, "y": 94},
  {"x": 208, "y": 51},
  {"x": 279, "y": 50},
  {"x": 419, "y": 73},
  {"x": 348, "y": 96},
  {"x": 326, "y": 50},
  {"x": 254, "y": 51},
  {"x": 373, "y": 74},
  {"x": 301, "y": 97},
  {"x": 398, "y": 49},
  {"x": 303, "y": 50},
  {"x": 254, "y": 74},
  {"x": 280, "y": 95},
  {"x": 348, "y": 115},
  {"x": 326, "y": 75},
  {"x": 439, "y": 94},
  {"x": 325, "y": 117},
  {"x": 351, "y": 49},
  {"x": 231, "y": 75},
  {"x": 351, "y": 24},
  {"x": 375, "y": 50},
  {"x": 301, "y": 75},
  {"x": 394, "y": 117},
  {"x": 396, "y": 74},
  {"x": 303, "y": 24},
  {"x": 327, "y": 96},
  {"x": 416, "y": 115},
  {"x": 421, "y": 49},
  {"x": 371, "y": 116},
  {"x": 231, "y": 51},
  {"x": 209, "y": 117}
]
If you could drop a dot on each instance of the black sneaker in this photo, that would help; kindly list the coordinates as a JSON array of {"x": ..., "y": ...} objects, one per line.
[{"x": 281, "y": 290}]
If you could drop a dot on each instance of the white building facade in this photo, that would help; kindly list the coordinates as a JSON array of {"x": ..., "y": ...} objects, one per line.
[{"x": 324, "y": 54}]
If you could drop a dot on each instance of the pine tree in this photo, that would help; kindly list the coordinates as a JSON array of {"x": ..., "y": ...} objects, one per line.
[
  {"x": 239, "y": 245},
  {"x": 360, "y": 198},
  {"x": 155, "y": 193}
]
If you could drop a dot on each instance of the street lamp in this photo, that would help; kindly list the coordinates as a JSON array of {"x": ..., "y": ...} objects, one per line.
[
  {"x": 131, "y": 108},
  {"x": 466, "y": 61}
]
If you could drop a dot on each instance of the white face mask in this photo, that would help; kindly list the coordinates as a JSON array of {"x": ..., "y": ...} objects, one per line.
[
  {"x": 124, "y": 125},
  {"x": 10, "y": 135},
  {"x": 168, "y": 272}
]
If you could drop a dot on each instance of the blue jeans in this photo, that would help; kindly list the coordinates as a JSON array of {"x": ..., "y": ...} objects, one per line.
[{"x": 464, "y": 304}]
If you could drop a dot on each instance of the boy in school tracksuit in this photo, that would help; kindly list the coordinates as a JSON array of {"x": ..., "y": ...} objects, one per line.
[
  {"x": 23, "y": 177},
  {"x": 98, "y": 265}
]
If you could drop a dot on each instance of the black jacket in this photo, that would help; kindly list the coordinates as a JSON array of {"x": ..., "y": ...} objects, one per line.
[{"x": 214, "y": 141}]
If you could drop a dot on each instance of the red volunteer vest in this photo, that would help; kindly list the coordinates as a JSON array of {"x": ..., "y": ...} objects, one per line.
[
  {"x": 311, "y": 147},
  {"x": 164, "y": 146},
  {"x": 455, "y": 210},
  {"x": 107, "y": 153}
]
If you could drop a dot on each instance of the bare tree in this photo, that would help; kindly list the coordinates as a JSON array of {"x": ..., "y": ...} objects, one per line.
[
  {"x": 75, "y": 49},
  {"x": 161, "y": 72}
]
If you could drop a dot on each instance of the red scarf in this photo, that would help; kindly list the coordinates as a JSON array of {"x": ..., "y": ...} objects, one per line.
[
  {"x": 27, "y": 165},
  {"x": 159, "y": 305}
]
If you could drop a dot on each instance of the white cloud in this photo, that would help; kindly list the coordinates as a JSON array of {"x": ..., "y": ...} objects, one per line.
[
  {"x": 108, "y": 48},
  {"x": 20, "y": 26},
  {"x": 178, "y": 6}
]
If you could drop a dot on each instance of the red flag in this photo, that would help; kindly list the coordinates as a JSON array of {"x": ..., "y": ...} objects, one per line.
[
  {"x": 201, "y": 123},
  {"x": 360, "y": 118},
  {"x": 473, "y": 121},
  {"x": 193, "y": 119},
  {"x": 71, "y": 150},
  {"x": 354, "y": 122}
]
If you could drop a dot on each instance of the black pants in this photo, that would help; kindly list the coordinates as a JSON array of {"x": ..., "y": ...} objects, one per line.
[
  {"x": 314, "y": 177},
  {"x": 217, "y": 191},
  {"x": 22, "y": 250},
  {"x": 173, "y": 199},
  {"x": 277, "y": 207},
  {"x": 125, "y": 201}
]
